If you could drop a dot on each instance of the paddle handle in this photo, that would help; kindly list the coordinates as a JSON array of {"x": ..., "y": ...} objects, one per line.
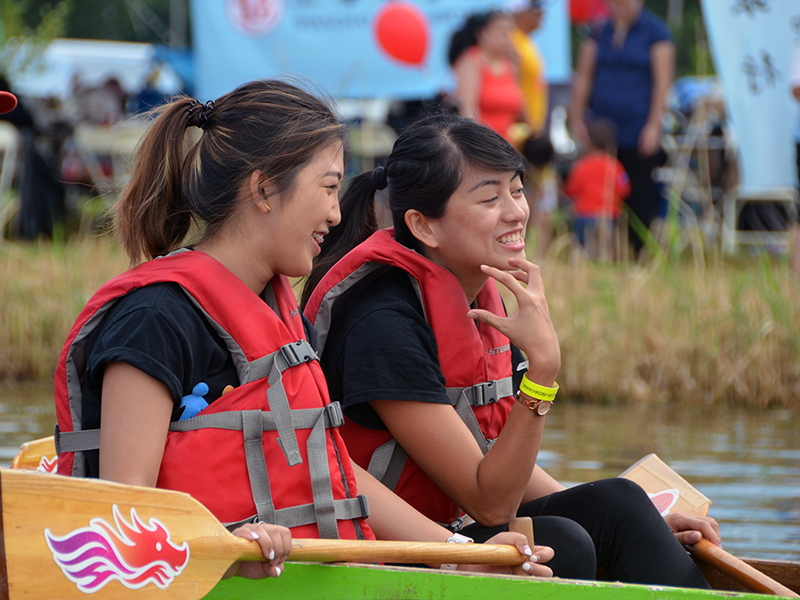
[
  {"x": 312, "y": 550},
  {"x": 523, "y": 525},
  {"x": 740, "y": 571}
]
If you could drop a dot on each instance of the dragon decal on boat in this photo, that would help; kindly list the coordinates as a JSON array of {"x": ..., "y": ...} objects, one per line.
[{"x": 133, "y": 553}]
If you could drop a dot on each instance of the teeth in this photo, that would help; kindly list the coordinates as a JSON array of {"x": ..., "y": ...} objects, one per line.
[
  {"x": 317, "y": 237},
  {"x": 514, "y": 238}
]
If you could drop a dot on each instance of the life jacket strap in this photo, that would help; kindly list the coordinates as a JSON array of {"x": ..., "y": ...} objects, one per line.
[
  {"x": 389, "y": 459},
  {"x": 273, "y": 365},
  {"x": 302, "y": 418},
  {"x": 76, "y": 441},
  {"x": 387, "y": 463},
  {"x": 483, "y": 393},
  {"x": 304, "y": 514}
]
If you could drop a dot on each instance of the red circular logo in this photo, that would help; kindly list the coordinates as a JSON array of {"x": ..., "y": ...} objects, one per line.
[{"x": 255, "y": 17}]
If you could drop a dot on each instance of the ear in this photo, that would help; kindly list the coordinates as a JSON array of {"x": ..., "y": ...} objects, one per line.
[
  {"x": 421, "y": 228},
  {"x": 258, "y": 190}
]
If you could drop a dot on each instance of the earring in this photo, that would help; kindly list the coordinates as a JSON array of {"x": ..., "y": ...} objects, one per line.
[{"x": 266, "y": 206}]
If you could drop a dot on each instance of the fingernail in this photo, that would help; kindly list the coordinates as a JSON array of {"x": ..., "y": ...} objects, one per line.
[
  {"x": 534, "y": 558},
  {"x": 526, "y": 566},
  {"x": 271, "y": 554},
  {"x": 527, "y": 550},
  {"x": 278, "y": 570},
  {"x": 254, "y": 535}
]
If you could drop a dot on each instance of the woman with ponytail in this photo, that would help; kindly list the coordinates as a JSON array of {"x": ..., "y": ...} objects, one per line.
[
  {"x": 177, "y": 366},
  {"x": 439, "y": 403}
]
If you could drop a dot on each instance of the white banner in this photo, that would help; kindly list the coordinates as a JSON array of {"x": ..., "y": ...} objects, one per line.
[{"x": 751, "y": 43}]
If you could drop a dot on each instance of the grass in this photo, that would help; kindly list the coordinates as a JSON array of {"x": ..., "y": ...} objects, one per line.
[{"x": 711, "y": 332}]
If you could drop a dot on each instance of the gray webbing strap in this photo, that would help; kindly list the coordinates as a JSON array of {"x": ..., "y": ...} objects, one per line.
[
  {"x": 484, "y": 393},
  {"x": 464, "y": 411},
  {"x": 77, "y": 441},
  {"x": 275, "y": 364},
  {"x": 302, "y": 418},
  {"x": 387, "y": 463},
  {"x": 304, "y": 514},
  {"x": 389, "y": 459},
  {"x": 257, "y": 465},
  {"x": 321, "y": 481}
]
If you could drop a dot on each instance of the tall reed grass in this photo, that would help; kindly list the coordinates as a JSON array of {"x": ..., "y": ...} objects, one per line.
[
  {"x": 725, "y": 332},
  {"x": 43, "y": 287}
]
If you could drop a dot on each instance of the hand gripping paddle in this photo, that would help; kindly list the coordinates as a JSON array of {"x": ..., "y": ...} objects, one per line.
[{"x": 64, "y": 537}]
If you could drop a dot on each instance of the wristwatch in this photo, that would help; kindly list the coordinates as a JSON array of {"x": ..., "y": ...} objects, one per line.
[
  {"x": 540, "y": 407},
  {"x": 456, "y": 538}
]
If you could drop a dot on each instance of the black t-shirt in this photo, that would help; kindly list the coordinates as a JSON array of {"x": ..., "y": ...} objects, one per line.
[
  {"x": 160, "y": 331},
  {"x": 380, "y": 347}
]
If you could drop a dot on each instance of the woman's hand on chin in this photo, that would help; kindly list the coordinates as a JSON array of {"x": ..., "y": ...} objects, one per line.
[
  {"x": 276, "y": 544},
  {"x": 533, "y": 566},
  {"x": 530, "y": 328}
]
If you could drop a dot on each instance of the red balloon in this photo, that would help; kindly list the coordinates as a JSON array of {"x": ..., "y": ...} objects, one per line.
[
  {"x": 588, "y": 11},
  {"x": 402, "y": 31}
]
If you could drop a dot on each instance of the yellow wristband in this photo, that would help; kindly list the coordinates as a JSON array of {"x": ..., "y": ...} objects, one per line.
[{"x": 536, "y": 391}]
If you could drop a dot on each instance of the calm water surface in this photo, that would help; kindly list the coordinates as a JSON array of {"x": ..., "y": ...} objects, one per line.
[{"x": 746, "y": 462}]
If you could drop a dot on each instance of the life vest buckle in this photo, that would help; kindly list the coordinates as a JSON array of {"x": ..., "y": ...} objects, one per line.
[
  {"x": 484, "y": 393},
  {"x": 334, "y": 415},
  {"x": 298, "y": 353}
]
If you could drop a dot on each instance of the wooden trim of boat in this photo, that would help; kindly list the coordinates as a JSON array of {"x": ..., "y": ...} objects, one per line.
[{"x": 783, "y": 571}]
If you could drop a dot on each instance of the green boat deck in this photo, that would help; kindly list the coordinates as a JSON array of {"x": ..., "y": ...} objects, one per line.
[{"x": 349, "y": 582}]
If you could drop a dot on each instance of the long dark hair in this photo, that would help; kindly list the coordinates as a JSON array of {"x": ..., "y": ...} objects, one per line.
[
  {"x": 270, "y": 125},
  {"x": 467, "y": 35},
  {"x": 426, "y": 166}
]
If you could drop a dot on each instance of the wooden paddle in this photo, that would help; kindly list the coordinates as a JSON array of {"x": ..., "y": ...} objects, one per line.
[
  {"x": 657, "y": 478},
  {"x": 59, "y": 534},
  {"x": 672, "y": 493}
]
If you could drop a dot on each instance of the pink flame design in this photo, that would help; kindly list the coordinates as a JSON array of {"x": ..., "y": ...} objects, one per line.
[
  {"x": 47, "y": 465},
  {"x": 134, "y": 554}
]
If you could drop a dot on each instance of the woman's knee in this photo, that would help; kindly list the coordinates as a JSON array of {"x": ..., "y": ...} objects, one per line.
[
  {"x": 575, "y": 556},
  {"x": 620, "y": 495}
]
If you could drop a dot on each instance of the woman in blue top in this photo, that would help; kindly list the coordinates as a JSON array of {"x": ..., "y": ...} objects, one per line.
[{"x": 624, "y": 73}]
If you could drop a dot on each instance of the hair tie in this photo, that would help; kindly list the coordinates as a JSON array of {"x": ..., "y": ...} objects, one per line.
[
  {"x": 197, "y": 113},
  {"x": 378, "y": 178}
]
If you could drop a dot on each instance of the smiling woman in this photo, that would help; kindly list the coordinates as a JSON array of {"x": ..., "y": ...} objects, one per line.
[
  {"x": 195, "y": 371},
  {"x": 429, "y": 394}
]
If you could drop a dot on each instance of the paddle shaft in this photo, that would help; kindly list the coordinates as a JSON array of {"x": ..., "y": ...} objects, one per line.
[
  {"x": 313, "y": 550},
  {"x": 739, "y": 570},
  {"x": 656, "y": 478}
]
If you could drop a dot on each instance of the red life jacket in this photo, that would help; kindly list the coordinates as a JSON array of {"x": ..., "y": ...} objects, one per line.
[
  {"x": 297, "y": 473},
  {"x": 475, "y": 361}
]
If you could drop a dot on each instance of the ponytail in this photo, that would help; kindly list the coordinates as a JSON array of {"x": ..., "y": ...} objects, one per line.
[
  {"x": 269, "y": 126},
  {"x": 359, "y": 221},
  {"x": 151, "y": 218}
]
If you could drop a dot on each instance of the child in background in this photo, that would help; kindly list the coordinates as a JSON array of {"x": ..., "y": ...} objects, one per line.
[
  {"x": 543, "y": 183},
  {"x": 597, "y": 185}
]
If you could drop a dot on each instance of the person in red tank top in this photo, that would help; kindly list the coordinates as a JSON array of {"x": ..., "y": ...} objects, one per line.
[{"x": 487, "y": 86}]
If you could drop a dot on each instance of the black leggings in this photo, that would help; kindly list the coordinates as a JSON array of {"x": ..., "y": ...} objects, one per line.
[{"x": 611, "y": 524}]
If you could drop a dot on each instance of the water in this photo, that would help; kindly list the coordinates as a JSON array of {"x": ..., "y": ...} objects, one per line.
[{"x": 746, "y": 462}]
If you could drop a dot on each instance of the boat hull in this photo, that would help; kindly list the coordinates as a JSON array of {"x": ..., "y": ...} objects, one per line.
[{"x": 351, "y": 582}]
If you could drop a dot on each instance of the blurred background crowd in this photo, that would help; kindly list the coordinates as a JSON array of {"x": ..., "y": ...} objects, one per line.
[{"x": 638, "y": 132}]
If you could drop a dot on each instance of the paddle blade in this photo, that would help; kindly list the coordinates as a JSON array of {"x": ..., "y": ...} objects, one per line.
[
  {"x": 37, "y": 455},
  {"x": 64, "y": 537},
  {"x": 669, "y": 491}
]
